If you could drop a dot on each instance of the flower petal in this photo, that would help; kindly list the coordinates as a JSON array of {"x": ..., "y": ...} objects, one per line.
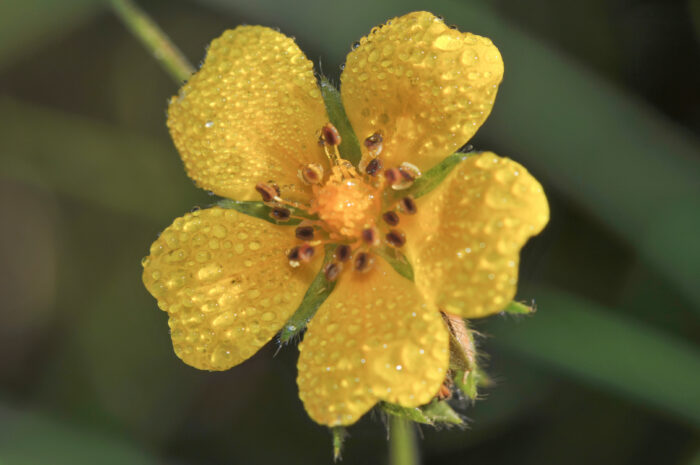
[
  {"x": 373, "y": 339},
  {"x": 466, "y": 260},
  {"x": 251, "y": 114},
  {"x": 226, "y": 284},
  {"x": 424, "y": 86}
]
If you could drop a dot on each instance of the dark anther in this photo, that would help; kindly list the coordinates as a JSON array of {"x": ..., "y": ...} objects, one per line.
[
  {"x": 373, "y": 167},
  {"x": 393, "y": 176},
  {"x": 408, "y": 205},
  {"x": 466, "y": 148},
  {"x": 406, "y": 175},
  {"x": 312, "y": 173},
  {"x": 330, "y": 135},
  {"x": 266, "y": 191},
  {"x": 396, "y": 238},
  {"x": 332, "y": 271},
  {"x": 280, "y": 213},
  {"x": 369, "y": 236},
  {"x": 391, "y": 218},
  {"x": 293, "y": 254},
  {"x": 305, "y": 233},
  {"x": 343, "y": 252},
  {"x": 363, "y": 262},
  {"x": 374, "y": 142},
  {"x": 306, "y": 253}
]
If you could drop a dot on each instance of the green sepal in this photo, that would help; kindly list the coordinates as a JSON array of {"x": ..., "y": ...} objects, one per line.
[
  {"x": 316, "y": 294},
  {"x": 439, "y": 411},
  {"x": 434, "y": 413},
  {"x": 469, "y": 382},
  {"x": 397, "y": 260},
  {"x": 409, "y": 413},
  {"x": 434, "y": 176},
  {"x": 262, "y": 211},
  {"x": 349, "y": 145},
  {"x": 339, "y": 434},
  {"x": 517, "y": 308}
]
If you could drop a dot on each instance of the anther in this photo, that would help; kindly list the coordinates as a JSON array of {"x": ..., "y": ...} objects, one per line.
[
  {"x": 312, "y": 173},
  {"x": 280, "y": 214},
  {"x": 374, "y": 143},
  {"x": 330, "y": 135},
  {"x": 306, "y": 253},
  {"x": 391, "y": 218},
  {"x": 396, "y": 237},
  {"x": 393, "y": 176},
  {"x": 445, "y": 392},
  {"x": 408, "y": 205},
  {"x": 293, "y": 256},
  {"x": 373, "y": 167},
  {"x": 305, "y": 233},
  {"x": 266, "y": 191},
  {"x": 332, "y": 271},
  {"x": 363, "y": 262},
  {"x": 369, "y": 236},
  {"x": 343, "y": 252}
]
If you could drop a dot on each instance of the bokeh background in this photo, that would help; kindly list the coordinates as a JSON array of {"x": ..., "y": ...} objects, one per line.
[{"x": 601, "y": 101}]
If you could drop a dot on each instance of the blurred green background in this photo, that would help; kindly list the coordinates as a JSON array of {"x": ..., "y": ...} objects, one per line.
[{"x": 601, "y": 101}]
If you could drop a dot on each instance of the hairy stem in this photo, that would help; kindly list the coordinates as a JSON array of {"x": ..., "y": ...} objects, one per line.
[
  {"x": 402, "y": 442},
  {"x": 154, "y": 39}
]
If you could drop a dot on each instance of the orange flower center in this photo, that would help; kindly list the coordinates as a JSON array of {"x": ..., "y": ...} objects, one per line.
[{"x": 347, "y": 206}]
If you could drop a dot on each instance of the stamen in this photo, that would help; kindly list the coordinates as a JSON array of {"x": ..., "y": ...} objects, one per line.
[
  {"x": 280, "y": 214},
  {"x": 332, "y": 271},
  {"x": 305, "y": 233},
  {"x": 391, "y": 218},
  {"x": 374, "y": 143},
  {"x": 370, "y": 236},
  {"x": 306, "y": 253},
  {"x": 445, "y": 391},
  {"x": 330, "y": 135},
  {"x": 343, "y": 252},
  {"x": 363, "y": 262},
  {"x": 311, "y": 173},
  {"x": 393, "y": 176},
  {"x": 409, "y": 173},
  {"x": 266, "y": 191},
  {"x": 396, "y": 238},
  {"x": 293, "y": 257},
  {"x": 408, "y": 205},
  {"x": 373, "y": 167}
]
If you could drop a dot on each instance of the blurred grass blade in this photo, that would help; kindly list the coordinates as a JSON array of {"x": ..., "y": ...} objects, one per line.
[
  {"x": 94, "y": 162},
  {"x": 589, "y": 343},
  {"x": 616, "y": 157},
  {"x": 26, "y": 25}
]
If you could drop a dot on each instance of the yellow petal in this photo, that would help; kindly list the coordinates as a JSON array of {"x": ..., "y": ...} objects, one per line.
[
  {"x": 251, "y": 114},
  {"x": 425, "y": 87},
  {"x": 373, "y": 339},
  {"x": 226, "y": 284},
  {"x": 464, "y": 242}
]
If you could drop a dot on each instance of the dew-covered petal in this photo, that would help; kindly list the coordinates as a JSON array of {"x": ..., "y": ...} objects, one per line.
[
  {"x": 426, "y": 88},
  {"x": 464, "y": 243},
  {"x": 225, "y": 281},
  {"x": 251, "y": 114},
  {"x": 374, "y": 339}
]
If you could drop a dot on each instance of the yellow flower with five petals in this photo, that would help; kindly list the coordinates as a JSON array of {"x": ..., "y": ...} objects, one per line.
[{"x": 252, "y": 122}]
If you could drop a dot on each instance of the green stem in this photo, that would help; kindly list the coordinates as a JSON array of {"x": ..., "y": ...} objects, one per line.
[
  {"x": 402, "y": 442},
  {"x": 154, "y": 39}
]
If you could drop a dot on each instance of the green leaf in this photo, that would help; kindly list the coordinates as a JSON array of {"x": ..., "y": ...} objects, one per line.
[
  {"x": 349, "y": 145},
  {"x": 397, "y": 260},
  {"x": 517, "y": 308},
  {"x": 339, "y": 434},
  {"x": 409, "y": 413},
  {"x": 318, "y": 292},
  {"x": 261, "y": 211},
  {"x": 434, "y": 176},
  {"x": 592, "y": 344},
  {"x": 441, "y": 412}
]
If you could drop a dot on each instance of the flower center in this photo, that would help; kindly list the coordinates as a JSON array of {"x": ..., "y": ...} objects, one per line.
[{"x": 347, "y": 206}]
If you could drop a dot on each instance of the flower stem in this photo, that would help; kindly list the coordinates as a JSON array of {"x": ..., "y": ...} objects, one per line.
[
  {"x": 402, "y": 442},
  {"x": 154, "y": 39}
]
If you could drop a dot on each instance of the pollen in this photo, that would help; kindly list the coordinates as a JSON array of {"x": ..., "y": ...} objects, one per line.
[{"x": 347, "y": 206}]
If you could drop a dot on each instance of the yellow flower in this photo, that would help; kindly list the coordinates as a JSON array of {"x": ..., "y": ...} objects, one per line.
[{"x": 252, "y": 122}]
